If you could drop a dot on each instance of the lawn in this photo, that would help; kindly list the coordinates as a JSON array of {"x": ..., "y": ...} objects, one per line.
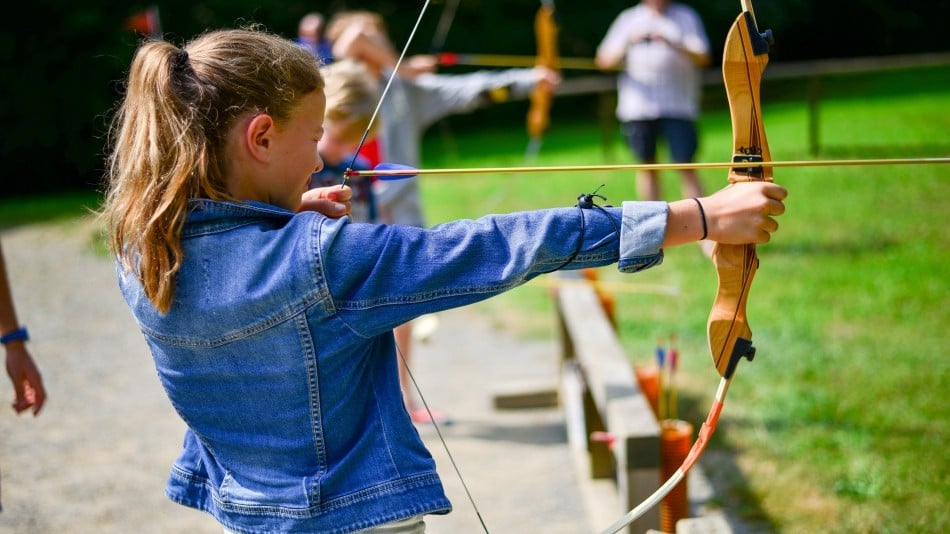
[{"x": 839, "y": 423}]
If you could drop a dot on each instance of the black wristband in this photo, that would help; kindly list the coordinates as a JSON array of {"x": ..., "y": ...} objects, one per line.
[{"x": 702, "y": 215}]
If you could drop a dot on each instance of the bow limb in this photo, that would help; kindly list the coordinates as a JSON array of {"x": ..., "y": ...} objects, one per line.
[
  {"x": 744, "y": 59},
  {"x": 445, "y": 24},
  {"x": 539, "y": 112}
]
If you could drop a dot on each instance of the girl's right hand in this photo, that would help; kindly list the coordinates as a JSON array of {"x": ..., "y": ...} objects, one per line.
[{"x": 332, "y": 201}]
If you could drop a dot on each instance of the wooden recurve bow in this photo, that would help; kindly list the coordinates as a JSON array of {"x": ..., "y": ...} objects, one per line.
[
  {"x": 744, "y": 59},
  {"x": 730, "y": 339}
]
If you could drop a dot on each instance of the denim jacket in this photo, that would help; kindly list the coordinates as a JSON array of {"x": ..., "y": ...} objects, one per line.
[{"x": 279, "y": 356}]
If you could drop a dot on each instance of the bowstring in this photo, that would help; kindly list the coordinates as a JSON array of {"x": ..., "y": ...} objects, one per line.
[
  {"x": 705, "y": 433},
  {"x": 412, "y": 378},
  {"x": 379, "y": 104},
  {"x": 438, "y": 431}
]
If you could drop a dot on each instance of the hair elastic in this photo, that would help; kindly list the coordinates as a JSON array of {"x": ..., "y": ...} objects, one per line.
[{"x": 181, "y": 61}]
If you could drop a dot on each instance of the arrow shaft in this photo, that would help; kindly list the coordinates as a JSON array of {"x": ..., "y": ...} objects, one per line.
[{"x": 655, "y": 166}]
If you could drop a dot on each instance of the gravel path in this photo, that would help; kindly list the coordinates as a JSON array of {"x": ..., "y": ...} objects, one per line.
[{"x": 97, "y": 457}]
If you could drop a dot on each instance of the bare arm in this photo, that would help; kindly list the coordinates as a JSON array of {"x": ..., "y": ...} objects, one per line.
[
  {"x": 609, "y": 59},
  {"x": 361, "y": 43},
  {"x": 26, "y": 379},
  {"x": 700, "y": 59}
]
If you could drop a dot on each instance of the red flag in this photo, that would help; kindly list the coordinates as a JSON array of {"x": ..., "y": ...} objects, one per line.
[{"x": 371, "y": 151}]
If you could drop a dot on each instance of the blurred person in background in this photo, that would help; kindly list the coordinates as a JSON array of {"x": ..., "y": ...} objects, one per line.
[
  {"x": 662, "y": 48},
  {"x": 417, "y": 98}
]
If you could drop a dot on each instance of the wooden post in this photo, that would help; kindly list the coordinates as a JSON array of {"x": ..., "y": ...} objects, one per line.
[
  {"x": 814, "y": 118},
  {"x": 607, "y": 118}
]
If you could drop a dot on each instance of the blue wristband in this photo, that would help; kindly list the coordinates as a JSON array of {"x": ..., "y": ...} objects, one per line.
[{"x": 20, "y": 334}]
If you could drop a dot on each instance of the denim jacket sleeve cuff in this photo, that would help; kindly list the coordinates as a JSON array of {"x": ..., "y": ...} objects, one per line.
[{"x": 641, "y": 236}]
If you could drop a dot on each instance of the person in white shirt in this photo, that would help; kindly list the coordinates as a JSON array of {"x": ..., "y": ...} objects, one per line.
[{"x": 663, "y": 48}]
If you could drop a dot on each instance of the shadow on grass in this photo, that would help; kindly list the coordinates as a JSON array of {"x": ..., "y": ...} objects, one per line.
[{"x": 732, "y": 493}]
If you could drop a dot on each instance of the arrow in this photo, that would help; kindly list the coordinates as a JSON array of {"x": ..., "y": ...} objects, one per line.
[{"x": 396, "y": 171}]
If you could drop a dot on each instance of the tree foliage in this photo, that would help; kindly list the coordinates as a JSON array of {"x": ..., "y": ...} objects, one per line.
[{"x": 63, "y": 62}]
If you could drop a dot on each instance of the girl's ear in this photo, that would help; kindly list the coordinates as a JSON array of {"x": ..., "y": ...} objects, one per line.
[{"x": 258, "y": 136}]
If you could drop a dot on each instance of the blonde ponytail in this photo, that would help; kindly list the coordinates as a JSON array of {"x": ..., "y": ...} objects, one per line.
[{"x": 167, "y": 137}]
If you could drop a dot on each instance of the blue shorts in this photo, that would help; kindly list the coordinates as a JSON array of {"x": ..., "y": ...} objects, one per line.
[{"x": 680, "y": 135}]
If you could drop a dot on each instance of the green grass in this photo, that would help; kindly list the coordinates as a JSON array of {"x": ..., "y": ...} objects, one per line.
[{"x": 840, "y": 422}]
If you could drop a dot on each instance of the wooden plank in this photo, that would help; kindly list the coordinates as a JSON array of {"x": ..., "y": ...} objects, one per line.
[
  {"x": 525, "y": 394},
  {"x": 607, "y": 370},
  {"x": 572, "y": 402},
  {"x": 612, "y": 400}
]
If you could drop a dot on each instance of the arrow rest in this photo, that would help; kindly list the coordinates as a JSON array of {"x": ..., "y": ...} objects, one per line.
[{"x": 754, "y": 173}]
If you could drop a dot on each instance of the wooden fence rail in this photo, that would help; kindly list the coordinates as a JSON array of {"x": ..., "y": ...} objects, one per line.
[{"x": 812, "y": 72}]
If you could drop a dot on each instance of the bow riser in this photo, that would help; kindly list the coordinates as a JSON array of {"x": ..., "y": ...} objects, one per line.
[{"x": 745, "y": 57}]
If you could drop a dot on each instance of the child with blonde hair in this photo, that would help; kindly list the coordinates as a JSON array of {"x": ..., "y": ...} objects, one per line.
[
  {"x": 352, "y": 94},
  {"x": 271, "y": 327}
]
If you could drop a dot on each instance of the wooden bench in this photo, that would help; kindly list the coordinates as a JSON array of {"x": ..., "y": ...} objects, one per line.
[{"x": 600, "y": 397}]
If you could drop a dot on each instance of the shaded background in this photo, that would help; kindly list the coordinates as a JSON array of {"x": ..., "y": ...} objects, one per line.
[{"x": 62, "y": 64}]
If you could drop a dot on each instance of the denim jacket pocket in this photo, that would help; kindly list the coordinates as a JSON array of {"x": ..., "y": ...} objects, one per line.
[{"x": 293, "y": 497}]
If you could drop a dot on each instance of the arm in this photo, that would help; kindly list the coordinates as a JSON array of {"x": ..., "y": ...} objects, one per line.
[
  {"x": 403, "y": 272},
  {"x": 361, "y": 43},
  {"x": 697, "y": 56},
  {"x": 440, "y": 95},
  {"x": 409, "y": 271},
  {"x": 26, "y": 379},
  {"x": 612, "y": 51},
  {"x": 364, "y": 43},
  {"x": 688, "y": 38}
]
